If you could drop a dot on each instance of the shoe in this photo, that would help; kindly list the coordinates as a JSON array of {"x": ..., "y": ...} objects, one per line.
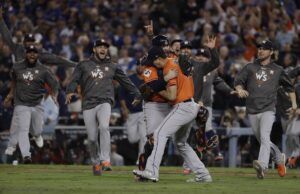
[
  {"x": 205, "y": 179},
  {"x": 292, "y": 162},
  {"x": 97, "y": 170},
  {"x": 39, "y": 141},
  {"x": 10, "y": 150},
  {"x": 106, "y": 166},
  {"x": 146, "y": 175},
  {"x": 219, "y": 157},
  {"x": 281, "y": 169},
  {"x": 259, "y": 169},
  {"x": 187, "y": 171},
  {"x": 27, "y": 160}
]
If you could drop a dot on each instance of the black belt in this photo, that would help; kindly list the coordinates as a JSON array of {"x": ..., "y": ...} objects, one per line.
[{"x": 188, "y": 100}]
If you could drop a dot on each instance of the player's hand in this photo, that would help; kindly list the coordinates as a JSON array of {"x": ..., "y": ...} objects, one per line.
[
  {"x": 125, "y": 113},
  {"x": 172, "y": 73},
  {"x": 136, "y": 101},
  {"x": 69, "y": 97},
  {"x": 210, "y": 42},
  {"x": 7, "y": 102},
  {"x": 234, "y": 92},
  {"x": 200, "y": 103},
  {"x": 149, "y": 28},
  {"x": 242, "y": 93},
  {"x": 292, "y": 113}
]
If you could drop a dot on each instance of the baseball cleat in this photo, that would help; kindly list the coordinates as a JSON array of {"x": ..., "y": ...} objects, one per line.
[
  {"x": 281, "y": 169},
  {"x": 205, "y": 179},
  {"x": 10, "y": 150},
  {"x": 27, "y": 160},
  {"x": 97, "y": 170},
  {"x": 219, "y": 157},
  {"x": 259, "y": 169},
  {"x": 106, "y": 166},
  {"x": 187, "y": 171},
  {"x": 292, "y": 162},
  {"x": 39, "y": 141},
  {"x": 146, "y": 175}
]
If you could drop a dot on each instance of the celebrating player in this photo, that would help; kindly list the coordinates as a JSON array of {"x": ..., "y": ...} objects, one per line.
[
  {"x": 95, "y": 77},
  {"x": 259, "y": 82}
]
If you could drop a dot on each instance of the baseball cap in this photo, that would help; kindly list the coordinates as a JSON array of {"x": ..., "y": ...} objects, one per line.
[
  {"x": 160, "y": 40},
  {"x": 176, "y": 40},
  {"x": 185, "y": 44},
  {"x": 203, "y": 52},
  {"x": 266, "y": 44},
  {"x": 100, "y": 42},
  {"x": 31, "y": 48},
  {"x": 154, "y": 53},
  {"x": 29, "y": 38}
]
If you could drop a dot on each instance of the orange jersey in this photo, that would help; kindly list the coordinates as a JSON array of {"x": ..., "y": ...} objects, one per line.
[
  {"x": 185, "y": 85},
  {"x": 150, "y": 74}
]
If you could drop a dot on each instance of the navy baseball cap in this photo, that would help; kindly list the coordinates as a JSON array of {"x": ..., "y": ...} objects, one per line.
[
  {"x": 100, "y": 42},
  {"x": 266, "y": 44},
  {"x": 160, "y": 40},
  {"x": 31, "y": 48},
  {"x": 186, "y": 44},
  {"x": 203, "y": 52},
  {"x": 153, "y": 54},
  {"x": 176, "y": 40},
  {"x": 29, "y": 38}
]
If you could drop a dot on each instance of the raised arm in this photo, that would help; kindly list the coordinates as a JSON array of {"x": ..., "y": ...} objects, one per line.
[{"x": 5, "y": 33}]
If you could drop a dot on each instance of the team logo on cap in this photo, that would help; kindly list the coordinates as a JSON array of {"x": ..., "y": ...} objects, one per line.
[{"x": 147, "y": 72}]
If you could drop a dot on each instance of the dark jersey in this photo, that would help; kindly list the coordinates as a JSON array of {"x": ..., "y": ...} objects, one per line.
[
  {"x": 30, "y": 83},
  {"x": 95, "y": 78}
]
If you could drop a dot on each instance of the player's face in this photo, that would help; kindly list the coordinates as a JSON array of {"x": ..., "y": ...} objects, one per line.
[
  {"x": 32, "y": 57},
  {"x": 100, "y": 51},
  {"x": 186, "y": 51},
  {"x": 166, "y": 49},
  {"x": 176, "y": 47},
  {"x": 158, "y": 63},
  {"x": 263, "y": 53}
]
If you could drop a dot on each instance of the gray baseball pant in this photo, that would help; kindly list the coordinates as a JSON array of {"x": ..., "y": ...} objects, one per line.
[
  {"x": 155, "y": 113},
  {"x": 178, "y": 121},
  {"x": 292, "y": 130},
  {"x": 262, "y": 126},
  {"x": 97, "y": 124},
  {"x": 136, "y": 129},
  {"x": 24, "y": 118},
  {"x": 35, "y": 129}
]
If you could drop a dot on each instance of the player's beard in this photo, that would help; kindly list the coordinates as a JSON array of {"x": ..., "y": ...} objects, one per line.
[{"x": 260, "y": 60}]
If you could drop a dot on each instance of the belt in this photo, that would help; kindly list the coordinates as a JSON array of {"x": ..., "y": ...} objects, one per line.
[{"x": 188, "y": 100}]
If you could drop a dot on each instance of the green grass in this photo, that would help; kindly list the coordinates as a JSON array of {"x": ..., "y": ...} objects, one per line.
[{"x": 73, "y": 179}]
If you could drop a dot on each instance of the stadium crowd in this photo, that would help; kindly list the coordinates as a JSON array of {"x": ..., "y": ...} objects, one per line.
[{"x": 68, "y": 29}]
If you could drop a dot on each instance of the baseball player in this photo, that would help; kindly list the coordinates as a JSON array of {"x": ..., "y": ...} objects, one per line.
[
  {"x": 95, "y": 77},
  {"x": 259, "y": 82},
  {"x": 30, "y": 77},
  {"x": 179, "y": 92},
  {"x": 209, "y": 80},
  {"x": 133, "y": 115},
  {"x": 200, "y": 69},
  {"x": 19, "y": 55},
  {"x": 156, "y": 107},
  {"x": 289, "y": 121}
]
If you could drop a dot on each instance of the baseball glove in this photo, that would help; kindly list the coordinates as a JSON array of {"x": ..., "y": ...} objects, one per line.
[
  {"x": 185, "y": 65},
  {"x": 146, "y": 91}
]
